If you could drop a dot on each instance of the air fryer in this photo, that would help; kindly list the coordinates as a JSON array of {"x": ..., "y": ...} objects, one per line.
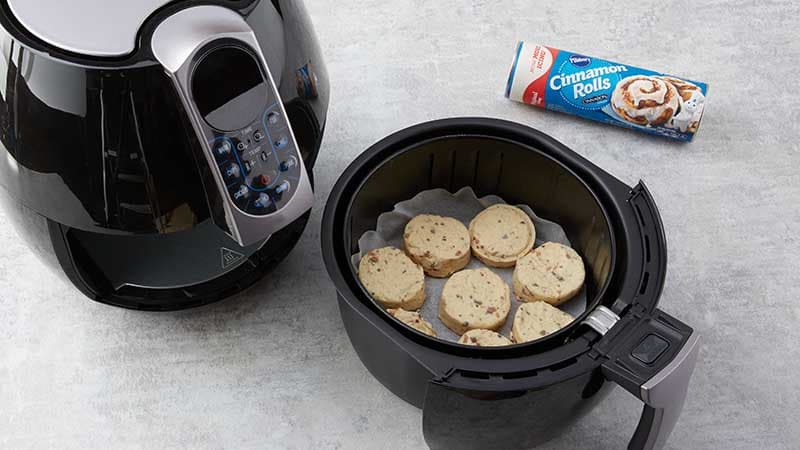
[
  {"x": 523, "y": 395},
  {"x": 160, "y": 153}
]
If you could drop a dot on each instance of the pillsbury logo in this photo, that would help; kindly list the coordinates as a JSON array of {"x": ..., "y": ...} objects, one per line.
[{"x": 580, "y": 61}]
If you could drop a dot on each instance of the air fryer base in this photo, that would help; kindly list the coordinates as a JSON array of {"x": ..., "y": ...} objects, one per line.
[{"x": 87, "y": 278}]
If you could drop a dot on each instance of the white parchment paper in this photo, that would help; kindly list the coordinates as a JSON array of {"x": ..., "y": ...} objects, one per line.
[{"x": 463, "y": 206}]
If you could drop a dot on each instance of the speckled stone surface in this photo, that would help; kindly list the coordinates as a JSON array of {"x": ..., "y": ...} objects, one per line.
[{"x": 272, "y": 368}]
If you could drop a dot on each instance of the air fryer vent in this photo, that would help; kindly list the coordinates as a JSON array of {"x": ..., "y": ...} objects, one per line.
[
  {"x": 652, "y": 257},
  {"x": 474, "y": 375},
  {"x": 643, "y": 285},
  {"x": 640, "y": 216},
  {"x": 563, "y": 364},
  {"x": 522, "y": 374}
]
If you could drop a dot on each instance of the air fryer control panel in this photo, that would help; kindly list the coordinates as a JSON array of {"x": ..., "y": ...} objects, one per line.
[
  {"x": 234, "y": 107},
  {"x": 258, "y": 163},
  {"x": 247, "y": 131}
]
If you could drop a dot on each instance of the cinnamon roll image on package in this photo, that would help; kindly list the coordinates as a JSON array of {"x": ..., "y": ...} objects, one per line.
[{"x": 606, "y": 91}]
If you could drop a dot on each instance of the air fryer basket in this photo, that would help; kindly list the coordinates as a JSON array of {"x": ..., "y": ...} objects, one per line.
[
  {"x": 500, "y": 167},
  {"x": 522, "y": 395}
]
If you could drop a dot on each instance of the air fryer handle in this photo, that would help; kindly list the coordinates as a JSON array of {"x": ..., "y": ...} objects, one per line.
[{"x": 654, "y": 359}]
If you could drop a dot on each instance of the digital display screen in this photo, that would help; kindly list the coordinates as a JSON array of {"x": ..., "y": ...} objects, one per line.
[{"x": 229, "y": 89}]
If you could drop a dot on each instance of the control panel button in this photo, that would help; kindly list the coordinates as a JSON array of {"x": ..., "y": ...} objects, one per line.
[
  {"x": 288, "y": 164},
  {"x": 264, "y": 156},
  {"x": 266, "y": 178},
  {"x": 281, "y": 142},
  {"x": 258, "y": 136},
  {"x": 283, "y": 187},
  {"x": 222, "y": 149},
  {"x": 263, "y": 180},
  {"x": 248, "y": 166},
  {"x": 650, "y": 349},
  {"x": 232, "y": 171},
  {"x": 241, "y": 146},
  {"x": 242, "y": 193},
  {"x": 273, "y": 118},
  {"x": 263, "y": 201}
]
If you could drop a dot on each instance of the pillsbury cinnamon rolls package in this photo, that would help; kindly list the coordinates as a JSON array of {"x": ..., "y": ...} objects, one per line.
[{"x": 606, "y": 91}]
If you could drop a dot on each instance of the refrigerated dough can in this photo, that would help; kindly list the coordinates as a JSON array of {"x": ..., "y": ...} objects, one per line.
[{"x": 606, "y": 91}]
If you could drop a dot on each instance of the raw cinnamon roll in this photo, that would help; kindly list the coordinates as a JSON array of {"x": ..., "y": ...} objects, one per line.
[{"x": 645, "y": 100}]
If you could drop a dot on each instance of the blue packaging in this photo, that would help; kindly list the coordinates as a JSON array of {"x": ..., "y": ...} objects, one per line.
[{"x": 606, "y": 91}]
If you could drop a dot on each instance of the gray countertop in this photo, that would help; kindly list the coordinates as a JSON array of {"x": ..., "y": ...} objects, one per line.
[{"x": 273, "y": 366}]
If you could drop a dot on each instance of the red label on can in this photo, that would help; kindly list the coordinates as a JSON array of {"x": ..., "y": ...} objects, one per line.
[{"x": 541, "y": 66}]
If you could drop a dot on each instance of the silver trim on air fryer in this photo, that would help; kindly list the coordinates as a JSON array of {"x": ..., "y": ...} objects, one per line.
[
  {"x": 601, "y": 319},
  {"x": 68, "y": 26},
  {"x": 666, "y": 393},
  {"x": 175, "y": 43}
]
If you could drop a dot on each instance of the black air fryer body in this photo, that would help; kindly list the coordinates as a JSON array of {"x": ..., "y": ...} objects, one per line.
[
  {"x": 161, "y": 159},
  {"x": 519, "y": 396}
]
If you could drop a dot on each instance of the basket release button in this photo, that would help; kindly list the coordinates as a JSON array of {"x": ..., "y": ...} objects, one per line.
[{"x": 650, "y": 349}]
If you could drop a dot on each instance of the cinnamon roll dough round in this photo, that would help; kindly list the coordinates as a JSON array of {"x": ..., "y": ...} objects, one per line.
[
  {"x": 474, "y": 299},
  {"x": 536, "y": 320},
  {"x": 551, "y": 273},
  {"x": 392, "y": 278},
  {"x": 439, "y": 244},
  {"x": 414, "y": 320},
  {"x": 501, "y": 234},
  {"x": 484, "y": 338}
]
